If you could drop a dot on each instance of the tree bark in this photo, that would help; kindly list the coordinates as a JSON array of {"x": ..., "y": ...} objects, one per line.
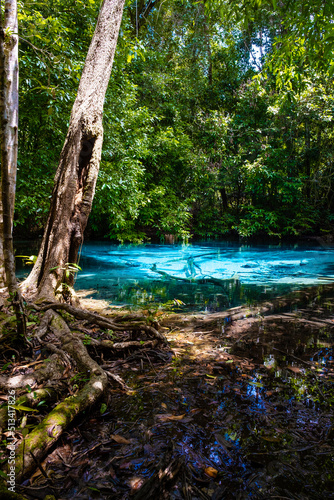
[
  {"x": 9, "y": 111},
  {"x": 78, "y": 168}
]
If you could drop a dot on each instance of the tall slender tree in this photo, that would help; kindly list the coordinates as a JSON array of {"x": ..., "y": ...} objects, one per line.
[
  {"x": 9, "y": 110},
  {"x": 79, "y": 162}
]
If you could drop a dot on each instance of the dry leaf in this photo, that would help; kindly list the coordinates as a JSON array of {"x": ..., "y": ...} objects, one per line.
[
  {"x": 294, "y": 369},
  {"x": 112, "y": 472},
  {"x": 125, "y": 465},
  {"x": 119, "y": 439},
  {"x": 271, "y": 439},
  {"x": 136, "y": 483},
  {"x": 210, "y": 471},
  {"x": 165, "y": 417},
  {"x": 164, "y": 405}
]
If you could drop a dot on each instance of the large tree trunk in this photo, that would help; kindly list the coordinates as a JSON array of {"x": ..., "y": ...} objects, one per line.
[
  {"x": 9, "y": 110},
  {"x": 9, "y": 113},
  {"x": 79, "y": 162}
]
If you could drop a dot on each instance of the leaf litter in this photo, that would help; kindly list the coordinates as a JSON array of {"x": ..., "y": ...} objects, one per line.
[{"x": 246, "y": 412}]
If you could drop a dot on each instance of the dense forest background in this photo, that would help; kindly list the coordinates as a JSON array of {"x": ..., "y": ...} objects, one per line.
[{"x": 216, "y": 122}]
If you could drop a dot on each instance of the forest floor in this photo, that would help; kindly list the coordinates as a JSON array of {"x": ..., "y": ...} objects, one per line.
[{"x": 237, "y": 405}]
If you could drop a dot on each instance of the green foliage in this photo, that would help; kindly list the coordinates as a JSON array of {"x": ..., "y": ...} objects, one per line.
[
  {"x": 218, "y": 118},
  {"x": 54, "y": 39},
  {"x": 69, "y": 269}
]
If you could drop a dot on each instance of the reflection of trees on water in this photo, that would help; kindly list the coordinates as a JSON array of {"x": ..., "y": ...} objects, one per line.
[
  {"x": 194, "y": 294},
  {"x": 200, "y": 277},
  {"x": 196, "y": 290}
]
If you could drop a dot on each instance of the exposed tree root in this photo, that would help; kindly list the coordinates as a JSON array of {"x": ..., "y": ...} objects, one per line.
[
  {"x": 119, "y": 346},
  {"x": 48, "y": 431},
  {"x": 48, "y": 373},
  {"x": 102, "y": 321},
  {"x": 69, "y": 349},
  {"x": 31, "y": 400},
  {"x": 120, "y": 381}
]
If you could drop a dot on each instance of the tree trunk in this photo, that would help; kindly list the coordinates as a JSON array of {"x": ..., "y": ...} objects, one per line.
[
  {"x": 9, "y": 110},
  {"x": 78, "y": 168}
]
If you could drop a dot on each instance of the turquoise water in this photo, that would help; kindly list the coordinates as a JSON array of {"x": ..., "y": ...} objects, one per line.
[{"x": 209, "y": 276}]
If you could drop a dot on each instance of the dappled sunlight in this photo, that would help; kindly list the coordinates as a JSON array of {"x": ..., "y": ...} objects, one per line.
[
  {"x": 97, "y": 385},
  {"x": 249, "y": 410}
]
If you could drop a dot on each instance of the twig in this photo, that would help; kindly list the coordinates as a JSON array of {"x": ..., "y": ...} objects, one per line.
[
  {"x": 119, "y": 380},
  {"x": 37, "y": 462}
]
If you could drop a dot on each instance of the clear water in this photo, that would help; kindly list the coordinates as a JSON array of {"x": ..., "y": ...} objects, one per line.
[{"x": 209, "y": 276}]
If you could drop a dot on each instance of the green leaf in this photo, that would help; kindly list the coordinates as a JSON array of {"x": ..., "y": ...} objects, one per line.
[
  {"x": 256, "y": 384},
  {"x": 22, "y": 408}
]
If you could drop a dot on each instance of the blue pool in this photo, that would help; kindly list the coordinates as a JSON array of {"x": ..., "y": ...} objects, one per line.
[{"x": 207, "y": 275}]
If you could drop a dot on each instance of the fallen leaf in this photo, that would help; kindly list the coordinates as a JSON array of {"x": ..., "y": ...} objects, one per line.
[
  {"x": 164, "y": 405},
  {"x": 136, "y": 483},
  {"x": 22, "y": 408},
  {"x": 125, "y": 465},
  {"x": 271, "y": 439},
  {"x": 210, "y": 471},
  {"x": 112, "y": 472},
  {"x": 294, "y": 369},
  {"x": 256, "y": 384},
  {"x": 119, "y": 439},
  {"x": 165, "y": 417}
]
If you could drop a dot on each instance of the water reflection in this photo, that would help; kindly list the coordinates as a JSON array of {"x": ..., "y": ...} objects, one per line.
[{"x": 210, "y": 276}]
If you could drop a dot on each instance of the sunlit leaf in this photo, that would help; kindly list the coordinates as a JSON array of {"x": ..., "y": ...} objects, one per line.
[
  {"x": 22, "y": 408},
  {"x": 294, "y": 369},
  {"x": 256, "y": 384},
  {"x": 103, "y": 408},
  {"x": 210, "y": 471},
  {"x": 170, "y": 418},
  {"x": 119, "y": 439}
]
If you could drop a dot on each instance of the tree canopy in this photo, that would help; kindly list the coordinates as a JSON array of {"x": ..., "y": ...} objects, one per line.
[{"x": 218, "y": 117}]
